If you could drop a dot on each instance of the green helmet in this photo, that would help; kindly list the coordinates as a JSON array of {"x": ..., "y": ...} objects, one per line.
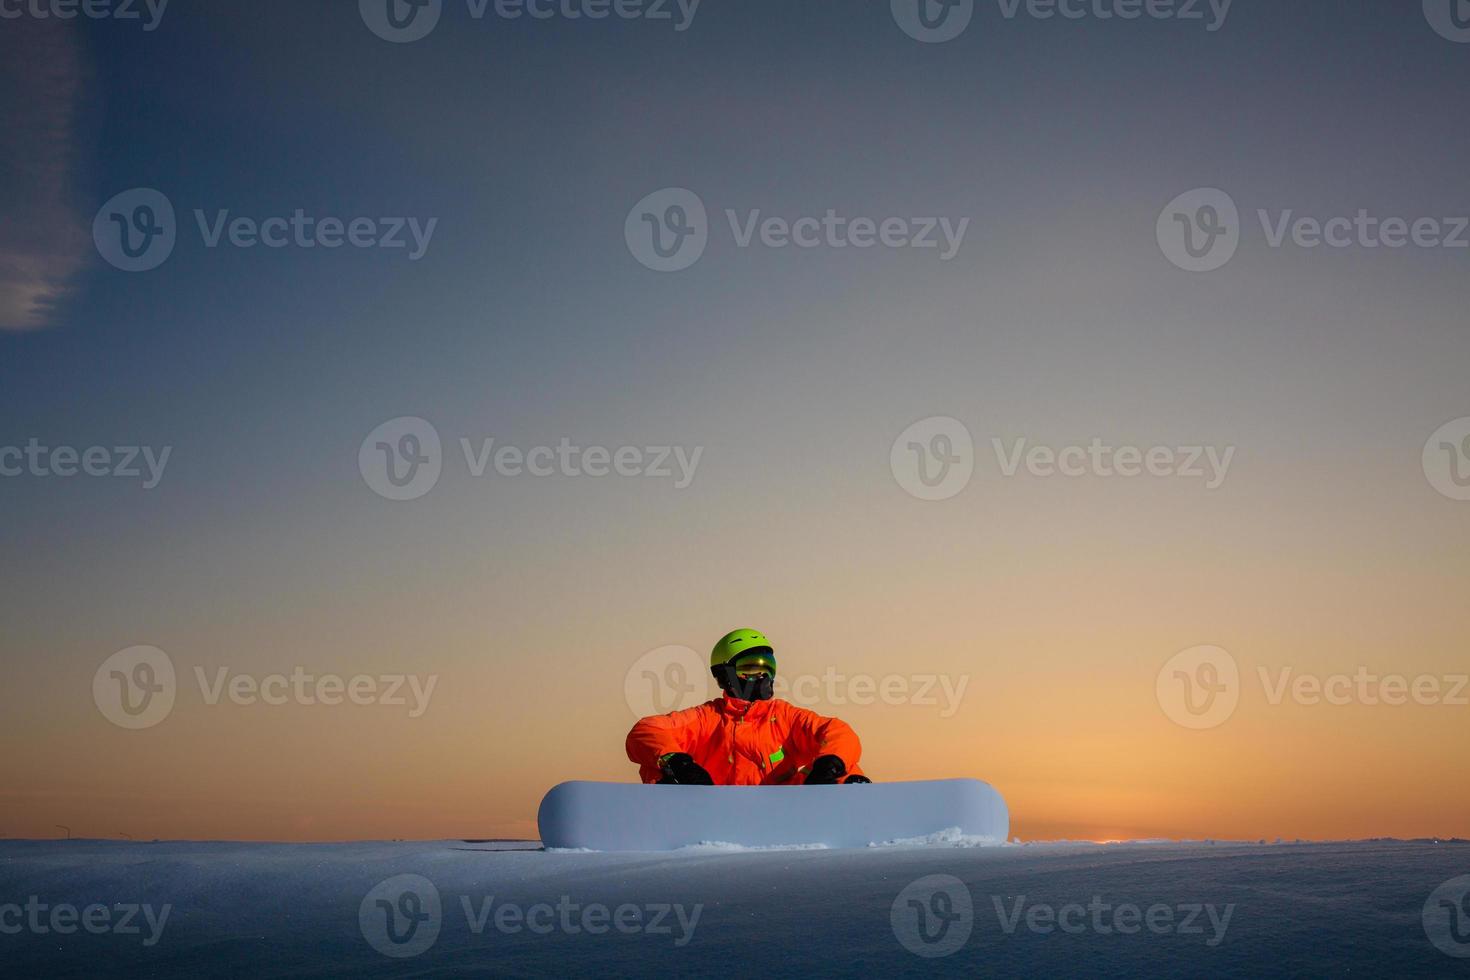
[
  {"x": 740, "y": 645},
  {"x": 744, "y": 665}
]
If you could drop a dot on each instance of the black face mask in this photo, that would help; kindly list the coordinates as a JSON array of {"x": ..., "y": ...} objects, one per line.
[{"x": 758, "y": 688}]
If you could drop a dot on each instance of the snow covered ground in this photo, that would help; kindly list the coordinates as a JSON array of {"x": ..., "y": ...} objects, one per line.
[{"x": 101, "y": 908}]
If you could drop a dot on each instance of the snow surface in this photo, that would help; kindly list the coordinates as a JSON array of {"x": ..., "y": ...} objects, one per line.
[
  {"x": 951, "y": 836},
  {"x": 289, "y": 910}
]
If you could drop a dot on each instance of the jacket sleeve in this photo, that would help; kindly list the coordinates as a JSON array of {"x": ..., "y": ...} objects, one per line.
[
  {"x": 658, "y": 735},
  {"x": 820, "y": 736}
]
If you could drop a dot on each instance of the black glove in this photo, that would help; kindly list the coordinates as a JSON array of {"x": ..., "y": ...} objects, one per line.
[
  {"x": 680, "y": 768},
  {"x": 856, "y": 779},
  {"x": 828, "y": 769}
]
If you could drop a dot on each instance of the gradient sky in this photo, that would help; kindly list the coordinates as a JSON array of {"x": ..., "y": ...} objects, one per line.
[{"x": 529, "y": 321}]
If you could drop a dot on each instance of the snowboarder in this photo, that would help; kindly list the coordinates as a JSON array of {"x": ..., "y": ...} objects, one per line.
[{"x": 747, "y": 737}]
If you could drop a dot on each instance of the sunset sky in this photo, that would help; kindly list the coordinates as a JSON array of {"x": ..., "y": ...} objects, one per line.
[{"x": 1055, "y": 601}]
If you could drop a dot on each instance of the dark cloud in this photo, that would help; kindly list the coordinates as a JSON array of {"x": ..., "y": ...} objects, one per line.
[{"x": 44, "y": 238}]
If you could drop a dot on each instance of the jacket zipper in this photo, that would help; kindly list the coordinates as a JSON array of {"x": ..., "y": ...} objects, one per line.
[{"x": 734, "y": 727}]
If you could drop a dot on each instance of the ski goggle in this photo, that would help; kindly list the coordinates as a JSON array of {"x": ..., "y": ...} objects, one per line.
[{"x": 755, "y": 664}]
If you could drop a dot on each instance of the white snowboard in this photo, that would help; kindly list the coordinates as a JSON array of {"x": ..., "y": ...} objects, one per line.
[{"x": 638, "y": 817}]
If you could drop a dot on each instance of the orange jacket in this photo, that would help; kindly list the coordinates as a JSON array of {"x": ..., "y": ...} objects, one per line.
[{"x": 744, "y": 743}]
